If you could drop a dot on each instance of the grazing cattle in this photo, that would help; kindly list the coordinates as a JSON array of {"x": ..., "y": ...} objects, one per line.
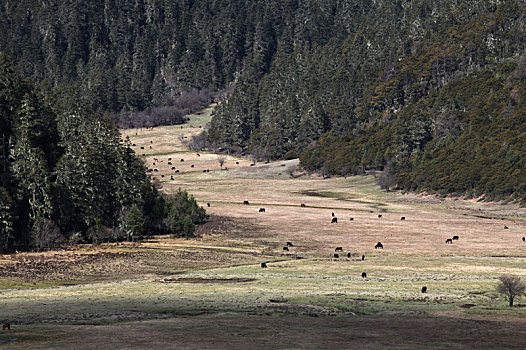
[
  {"x": 153, "y": 163},
  {"x": 424, "y": 289},
  {"x": 402, "y": 218},
  {"x": 246, "y": 202},
  {"x": 134, "y": 145},
  {"x": 156, "y": 159},
  {"x": 286, "y": 249},
  {"x": 169, "y": 163},
  {"x": 455, "y": 238},
  {"x": 162, "y": 175},
  {"x": 173, "y": 168},
  {"x": 261, "y": 210},
  {"x": 252, "y": 164},
  {"x": 150, "y": 147},
  {"x": 155, "y": 170},
  {"x": 338, "y": 249},
  {"x": 207, "y": 170},
  {"x": 289, "y": 244},
  {"x": 198, "y": 154},
  {"x": 379, "y": 245},
  {"x": 379, "y": 215},
  {"x": 364, "y": 275},
  {"x": 149, "y": 170},
  {"x": 505, "y": 227},
  {"x": 237, "y": 162},
  {"x": 204, "y": 171},
  {"x": 142, "y": 147},
  {"x": 177, "y": 171},
  {"x": 169, "y": 158},
  {"x": 264, "y": 265},
  {"x": 171, "y": 177},
  {"x": 351, "y": 219},
  {"x": 332, "y": 214},
  {"x": 336, "y": 256},
  {"x": 348, "y": 255},
  {"x": 182, "y": 160},
  {"x": 449, "y": 241},
  {"x": 523, "y": 239},
  {"x": 363, "y": 257},
  {"x": 143, "y": 154},
  {"x": 303, "y": 205},
  {"x": 334, "y": 221},
  {"x": 6, "y": 325}
]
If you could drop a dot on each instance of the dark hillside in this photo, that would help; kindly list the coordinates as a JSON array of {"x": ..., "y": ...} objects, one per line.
[{"x": 348, "y": 86}]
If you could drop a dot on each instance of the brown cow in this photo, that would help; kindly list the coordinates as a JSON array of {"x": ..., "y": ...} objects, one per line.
[
  {"x": 303, "y": 205},
  {"x": 6, "y": 325}
]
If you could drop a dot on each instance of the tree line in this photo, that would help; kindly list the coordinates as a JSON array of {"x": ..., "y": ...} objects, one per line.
[
  {"x": 67, "y": 176},
  {"x": 348, "y": 86}
]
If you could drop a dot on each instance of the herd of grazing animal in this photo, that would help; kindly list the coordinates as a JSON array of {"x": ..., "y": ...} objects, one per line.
[{"x": 334, "y": 220}]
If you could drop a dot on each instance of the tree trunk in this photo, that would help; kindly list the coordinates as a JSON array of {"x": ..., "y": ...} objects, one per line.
[{"x": 511, "y": 301}]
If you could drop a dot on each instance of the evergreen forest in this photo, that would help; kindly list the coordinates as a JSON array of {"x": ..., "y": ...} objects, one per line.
[
  {"x": 66, "y": 176},
  {"x": 430, "y": 92}
]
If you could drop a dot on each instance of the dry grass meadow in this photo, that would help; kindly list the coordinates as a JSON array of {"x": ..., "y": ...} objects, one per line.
[{"x": 211, "y": 292}]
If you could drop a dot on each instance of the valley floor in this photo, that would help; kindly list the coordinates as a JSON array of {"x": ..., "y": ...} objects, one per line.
[{"x": 211, "y": 292}]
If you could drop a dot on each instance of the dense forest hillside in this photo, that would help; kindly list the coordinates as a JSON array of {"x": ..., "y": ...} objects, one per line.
[
  {"x": 66, "y": 175},
  {"x": 432, "y": 91}
]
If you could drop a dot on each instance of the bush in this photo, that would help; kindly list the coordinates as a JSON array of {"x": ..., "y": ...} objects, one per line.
[{"x": 46, "y": 234}]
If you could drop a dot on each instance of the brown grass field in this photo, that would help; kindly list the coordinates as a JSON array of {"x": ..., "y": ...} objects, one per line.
[{"x": 211, "y": 293}]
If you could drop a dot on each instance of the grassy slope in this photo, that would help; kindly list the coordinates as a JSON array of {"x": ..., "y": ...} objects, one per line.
[{"x": 214, "y": 288}]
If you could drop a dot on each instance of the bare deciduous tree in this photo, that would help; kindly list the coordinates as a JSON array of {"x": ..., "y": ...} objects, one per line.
[
  {"x": 386, "y": 178},
  {"x": 291, "y": 169},
  {"x": 221, "y": 160},
  {"x": 511, "y": 287}
]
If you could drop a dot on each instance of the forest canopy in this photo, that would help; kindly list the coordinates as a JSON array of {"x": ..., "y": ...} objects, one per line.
[
  {"x": 435, "y": 89},
  {"x": 67, "y": 176}
]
